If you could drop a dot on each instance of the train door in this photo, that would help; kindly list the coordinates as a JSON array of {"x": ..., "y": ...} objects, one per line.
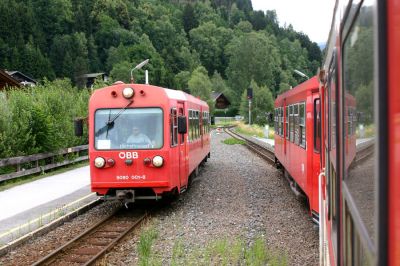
[
  {"x": 183, "y": 163},
  {"x": 316, "y": 151}
]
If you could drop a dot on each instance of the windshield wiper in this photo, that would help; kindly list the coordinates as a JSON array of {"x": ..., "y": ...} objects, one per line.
[{"x": 110, "y": 122}]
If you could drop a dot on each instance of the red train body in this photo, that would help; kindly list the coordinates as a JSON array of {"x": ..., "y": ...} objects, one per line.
[
  {"x": 360, "y": 96},
  {"x": 298, "y": 138},
  {"x": 136, "y": 149}
]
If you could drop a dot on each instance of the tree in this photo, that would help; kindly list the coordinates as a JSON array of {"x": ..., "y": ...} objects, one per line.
[
  {"x": 200, "y": 85},
  {"x": 258, "y": 20},
  {"x": 252, "y": 56},
  {"x": 262, "y": 103},
  {"x": 209, "y": 41},
  {"x": 189, "y": 20},
  {"x": 120, "y": 71}
]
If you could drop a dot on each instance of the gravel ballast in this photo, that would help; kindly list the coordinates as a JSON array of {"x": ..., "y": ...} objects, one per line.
[{"x": 236, "y": 196}]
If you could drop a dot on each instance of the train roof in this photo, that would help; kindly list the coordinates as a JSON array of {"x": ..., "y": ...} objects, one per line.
[
  {"x": 310, "y": 84},
  {"x": 160, "y": 92}
]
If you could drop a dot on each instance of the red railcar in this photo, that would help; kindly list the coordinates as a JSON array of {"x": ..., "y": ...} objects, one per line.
[
  {"x": 298, "y": 138},
  {"x": 360, "y": 96},
  {"x": 145, "y": 141}
]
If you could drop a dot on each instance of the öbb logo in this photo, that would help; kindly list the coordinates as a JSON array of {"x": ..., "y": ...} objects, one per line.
[{"x": 128, "y": 155}]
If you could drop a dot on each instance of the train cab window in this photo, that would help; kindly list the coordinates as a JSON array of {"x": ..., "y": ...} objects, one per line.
[
  {"x": 132, "y": 128},
  {"x": 276, "y": 120},
  {"x": 291, "y": 123},
  {"x": 360, "y": 140},
  {"x": 302, "y": 125},
  {"x": 287, "y": 122},
  {"x": 174, "y": 127},
  {"x": 317, "y": 126}
]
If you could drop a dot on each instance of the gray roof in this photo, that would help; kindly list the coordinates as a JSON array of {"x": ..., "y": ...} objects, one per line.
[
  {"x": 92, "y": 75},
  {"x": 21, "y": 77}
]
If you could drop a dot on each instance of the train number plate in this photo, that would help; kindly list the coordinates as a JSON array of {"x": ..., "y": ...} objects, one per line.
[{"x": 130, "y": 177}]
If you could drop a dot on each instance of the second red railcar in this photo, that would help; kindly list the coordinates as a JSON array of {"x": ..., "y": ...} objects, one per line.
[{"x": 298, "y": 139}]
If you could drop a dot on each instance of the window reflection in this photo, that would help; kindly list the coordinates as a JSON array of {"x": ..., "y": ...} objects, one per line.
[
  {"x": 139, "y": 128},
  {"x": 358, "y": 117}
]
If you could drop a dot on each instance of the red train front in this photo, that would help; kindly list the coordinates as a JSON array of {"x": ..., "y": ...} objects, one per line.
[{"x": 145, "y": 141}]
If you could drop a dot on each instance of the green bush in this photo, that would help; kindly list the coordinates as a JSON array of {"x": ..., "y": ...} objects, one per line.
[{"x": 40, "y": 119}]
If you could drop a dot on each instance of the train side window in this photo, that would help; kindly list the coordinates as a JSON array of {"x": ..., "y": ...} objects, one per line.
[
  {"x": 197, "y": 125},
  {"x": 317, "y": 126},
  {"x": 193, "y": 125},
  {"x": 281, "y": 121},
  {"x": 205, "y": 122},
  {"x": 190, "y": 125},
  {"x": 208, "y": 122},
  {"x": 291, "y": 124},
  {"x": 196, "y": 113},
  {"x": 302, "y": 125},
  {"x": 174, "y": 127},
  {"x": 203, "y": 129},
  {"x": 296, "y": 123},
  {"x": 276, "y": 120},
  {"x": 287, "y": 123}
]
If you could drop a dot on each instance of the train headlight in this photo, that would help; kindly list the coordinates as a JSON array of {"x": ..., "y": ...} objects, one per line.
[
  {"x": 158, "y": 161},
  {"x": 128, "y": 93},
  {"x": 99, "y": 162}
]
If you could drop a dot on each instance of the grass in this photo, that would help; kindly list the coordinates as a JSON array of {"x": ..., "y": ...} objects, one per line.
[
  {"x": 232, "y": 141},
  {"x": 26, "y": 179},
  {"x": 145, "y": 244},
  {"x": 369, "y": 131},
  {"x": 254, "y": 130},
  {"x": 226, "y": 123},
  {"x": 223, "y": 251},
  {"x": 227, "y": 251}
]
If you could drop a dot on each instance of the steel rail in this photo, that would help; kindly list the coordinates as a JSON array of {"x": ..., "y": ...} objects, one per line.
[
  {"x": 262, "y": 151},
  {"x": 79, "y": 241}
]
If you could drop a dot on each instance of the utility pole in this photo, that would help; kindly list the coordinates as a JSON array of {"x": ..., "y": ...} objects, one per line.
[
  {"x": 250, "y": 97},
  {"x": 249, "y": 111}
]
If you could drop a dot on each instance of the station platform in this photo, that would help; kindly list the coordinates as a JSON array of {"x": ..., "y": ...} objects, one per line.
[{"x": 29, "y": 206}]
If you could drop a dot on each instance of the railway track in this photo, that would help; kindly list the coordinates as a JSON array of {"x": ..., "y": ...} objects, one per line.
[
  {"x": 89, "y": 246},
  {"x": 264, "y": 152}
]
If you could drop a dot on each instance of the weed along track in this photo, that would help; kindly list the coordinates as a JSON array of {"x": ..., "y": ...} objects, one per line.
[
  {"x": 267, "y": 154},
  {"x": 92, "y": 244}
]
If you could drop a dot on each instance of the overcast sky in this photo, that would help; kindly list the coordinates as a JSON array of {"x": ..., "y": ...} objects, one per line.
[{"x": 312, "y": 17}]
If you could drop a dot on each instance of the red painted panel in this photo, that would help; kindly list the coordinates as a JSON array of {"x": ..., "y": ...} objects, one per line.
[{"x": 394, "y": 129}]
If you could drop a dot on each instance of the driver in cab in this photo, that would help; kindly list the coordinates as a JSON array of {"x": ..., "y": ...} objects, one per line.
[{"x": 138, "y": 139}]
